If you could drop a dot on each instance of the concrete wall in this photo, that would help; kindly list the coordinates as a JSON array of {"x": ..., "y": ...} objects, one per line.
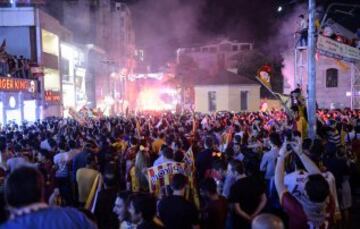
[
  {"x": 202, "y": 100},
  {"x": 336, "y": 96},
  {"x": 253, "y": 97},
  {"x": 21, "y": 16},
  {"x": 227, "y": 97}
]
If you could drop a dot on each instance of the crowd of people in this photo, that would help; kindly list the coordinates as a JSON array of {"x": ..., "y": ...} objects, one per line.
[
  {"x": 14, "y": 66},
  {"x": 252, "y": 170}
]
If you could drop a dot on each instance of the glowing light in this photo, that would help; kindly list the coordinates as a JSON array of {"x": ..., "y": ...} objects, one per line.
[
  {"x": 30, "y": 110},
  {"x": 279, "y": 9},
  {"x": 151, "y": 99}
]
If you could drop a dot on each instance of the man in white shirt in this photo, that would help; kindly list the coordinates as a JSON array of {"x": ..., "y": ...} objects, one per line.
[
  {"x": 166, "y": 155},
  {"x": 303, "y": 30}
]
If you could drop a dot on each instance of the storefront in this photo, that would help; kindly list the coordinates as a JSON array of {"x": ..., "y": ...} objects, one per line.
[
  {"x": 73, "y": 77},
  {"x": 18, "y": 100}
]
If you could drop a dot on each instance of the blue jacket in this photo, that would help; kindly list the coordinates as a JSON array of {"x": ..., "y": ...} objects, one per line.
[{"x": 51, "y": 218}]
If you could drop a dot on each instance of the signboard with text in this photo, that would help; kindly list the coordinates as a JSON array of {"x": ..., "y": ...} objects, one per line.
[
  {"x": 17, "y": 85},
  {"x": 52, "y": 96},
  {"x": 332, "y": 48}
]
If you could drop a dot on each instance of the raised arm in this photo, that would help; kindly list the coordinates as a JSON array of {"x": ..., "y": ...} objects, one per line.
[
  {"x": 309, "y": 165},
  {"x": 280, "y": 171}
]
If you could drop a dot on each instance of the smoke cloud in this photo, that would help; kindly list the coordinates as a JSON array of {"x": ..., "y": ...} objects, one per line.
[
  {"x": 284, "y": 42},
  {"x": 163, "y": 25}
]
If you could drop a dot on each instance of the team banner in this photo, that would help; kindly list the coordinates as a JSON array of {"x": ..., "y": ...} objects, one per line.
[
  {"x": 191, "y": 193},
  {"x": 160, "y": 176},
  {"x": 189, "y": 160}
]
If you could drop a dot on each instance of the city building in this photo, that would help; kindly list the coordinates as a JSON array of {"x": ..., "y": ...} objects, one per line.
[
  {"x": 106, "y": 25},
  {"x": 337, "y": 70},
  {"x": 73, "y": 71},
  {"x": 226, "y": 91},
  {"x": 215, "y": 56},
  {"x": 32, "y": 34}
]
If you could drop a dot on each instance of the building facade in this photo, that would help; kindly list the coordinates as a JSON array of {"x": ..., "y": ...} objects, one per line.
[
  {"x": 227, "y": 91},
  {"x": 215, "y": 56},
  {"x": 106, "y": 25},
  {"x": 337, "y": 74},
  {"x": 33, "y": 34}
]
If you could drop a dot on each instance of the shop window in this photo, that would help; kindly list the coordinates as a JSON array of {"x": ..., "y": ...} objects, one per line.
[
  {"x": 212, "y": 100},
  {"x": 244, "y": 100},
  {"x": 332, "y": 77}
]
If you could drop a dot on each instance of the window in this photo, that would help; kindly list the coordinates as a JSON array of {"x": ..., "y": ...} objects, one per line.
[
  {"x": 50, "y": 42},
  {"x": 235, "y": 48},
  {"x": 332, "y": 77},
  {"x": 244, "y": 100},
  {"x": 245, "y": 47},
  {"x": 213, "y": 49},
  {"x": 212, "y": 100}
]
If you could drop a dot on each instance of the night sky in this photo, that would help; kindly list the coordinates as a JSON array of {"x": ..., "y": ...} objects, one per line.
[{"x": 161, "y": 26}]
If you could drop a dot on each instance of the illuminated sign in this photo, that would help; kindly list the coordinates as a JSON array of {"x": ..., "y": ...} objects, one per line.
[
  {"x": 12, "y": 102},
  {"x": 15, "y": 84},
  {"x": 52, "y": 96}
]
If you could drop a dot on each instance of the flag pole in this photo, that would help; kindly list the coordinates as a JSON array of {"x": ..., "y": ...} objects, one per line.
[{"x": 277, "y": 96}]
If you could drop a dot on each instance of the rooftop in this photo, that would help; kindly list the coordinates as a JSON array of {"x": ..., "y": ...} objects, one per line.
[{"x": 224, "y": 77}]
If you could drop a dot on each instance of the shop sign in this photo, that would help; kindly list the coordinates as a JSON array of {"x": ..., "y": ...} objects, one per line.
[
  {"x": 17, "y": 85},
  {"x": 52, "y": 96}
]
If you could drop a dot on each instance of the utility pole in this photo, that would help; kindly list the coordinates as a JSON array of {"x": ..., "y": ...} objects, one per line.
[{"x": 311, "y": 101}]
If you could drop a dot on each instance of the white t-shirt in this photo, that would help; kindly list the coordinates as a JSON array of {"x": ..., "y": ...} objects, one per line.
[
  {"x": 162, "y": 160},
  {"x": 303, "y": 24},
  {"x": 61, "y": 160},
  {"x": 295, "y": 183}
]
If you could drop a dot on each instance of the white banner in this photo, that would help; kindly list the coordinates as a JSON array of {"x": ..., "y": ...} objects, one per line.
[{"x": 338, "y": 50}]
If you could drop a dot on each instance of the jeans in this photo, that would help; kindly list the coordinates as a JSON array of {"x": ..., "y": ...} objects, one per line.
[{"x": 303, "y": 39}]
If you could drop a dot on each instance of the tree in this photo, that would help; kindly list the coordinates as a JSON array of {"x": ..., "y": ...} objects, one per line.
[{"x": 186, "y": 74}]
